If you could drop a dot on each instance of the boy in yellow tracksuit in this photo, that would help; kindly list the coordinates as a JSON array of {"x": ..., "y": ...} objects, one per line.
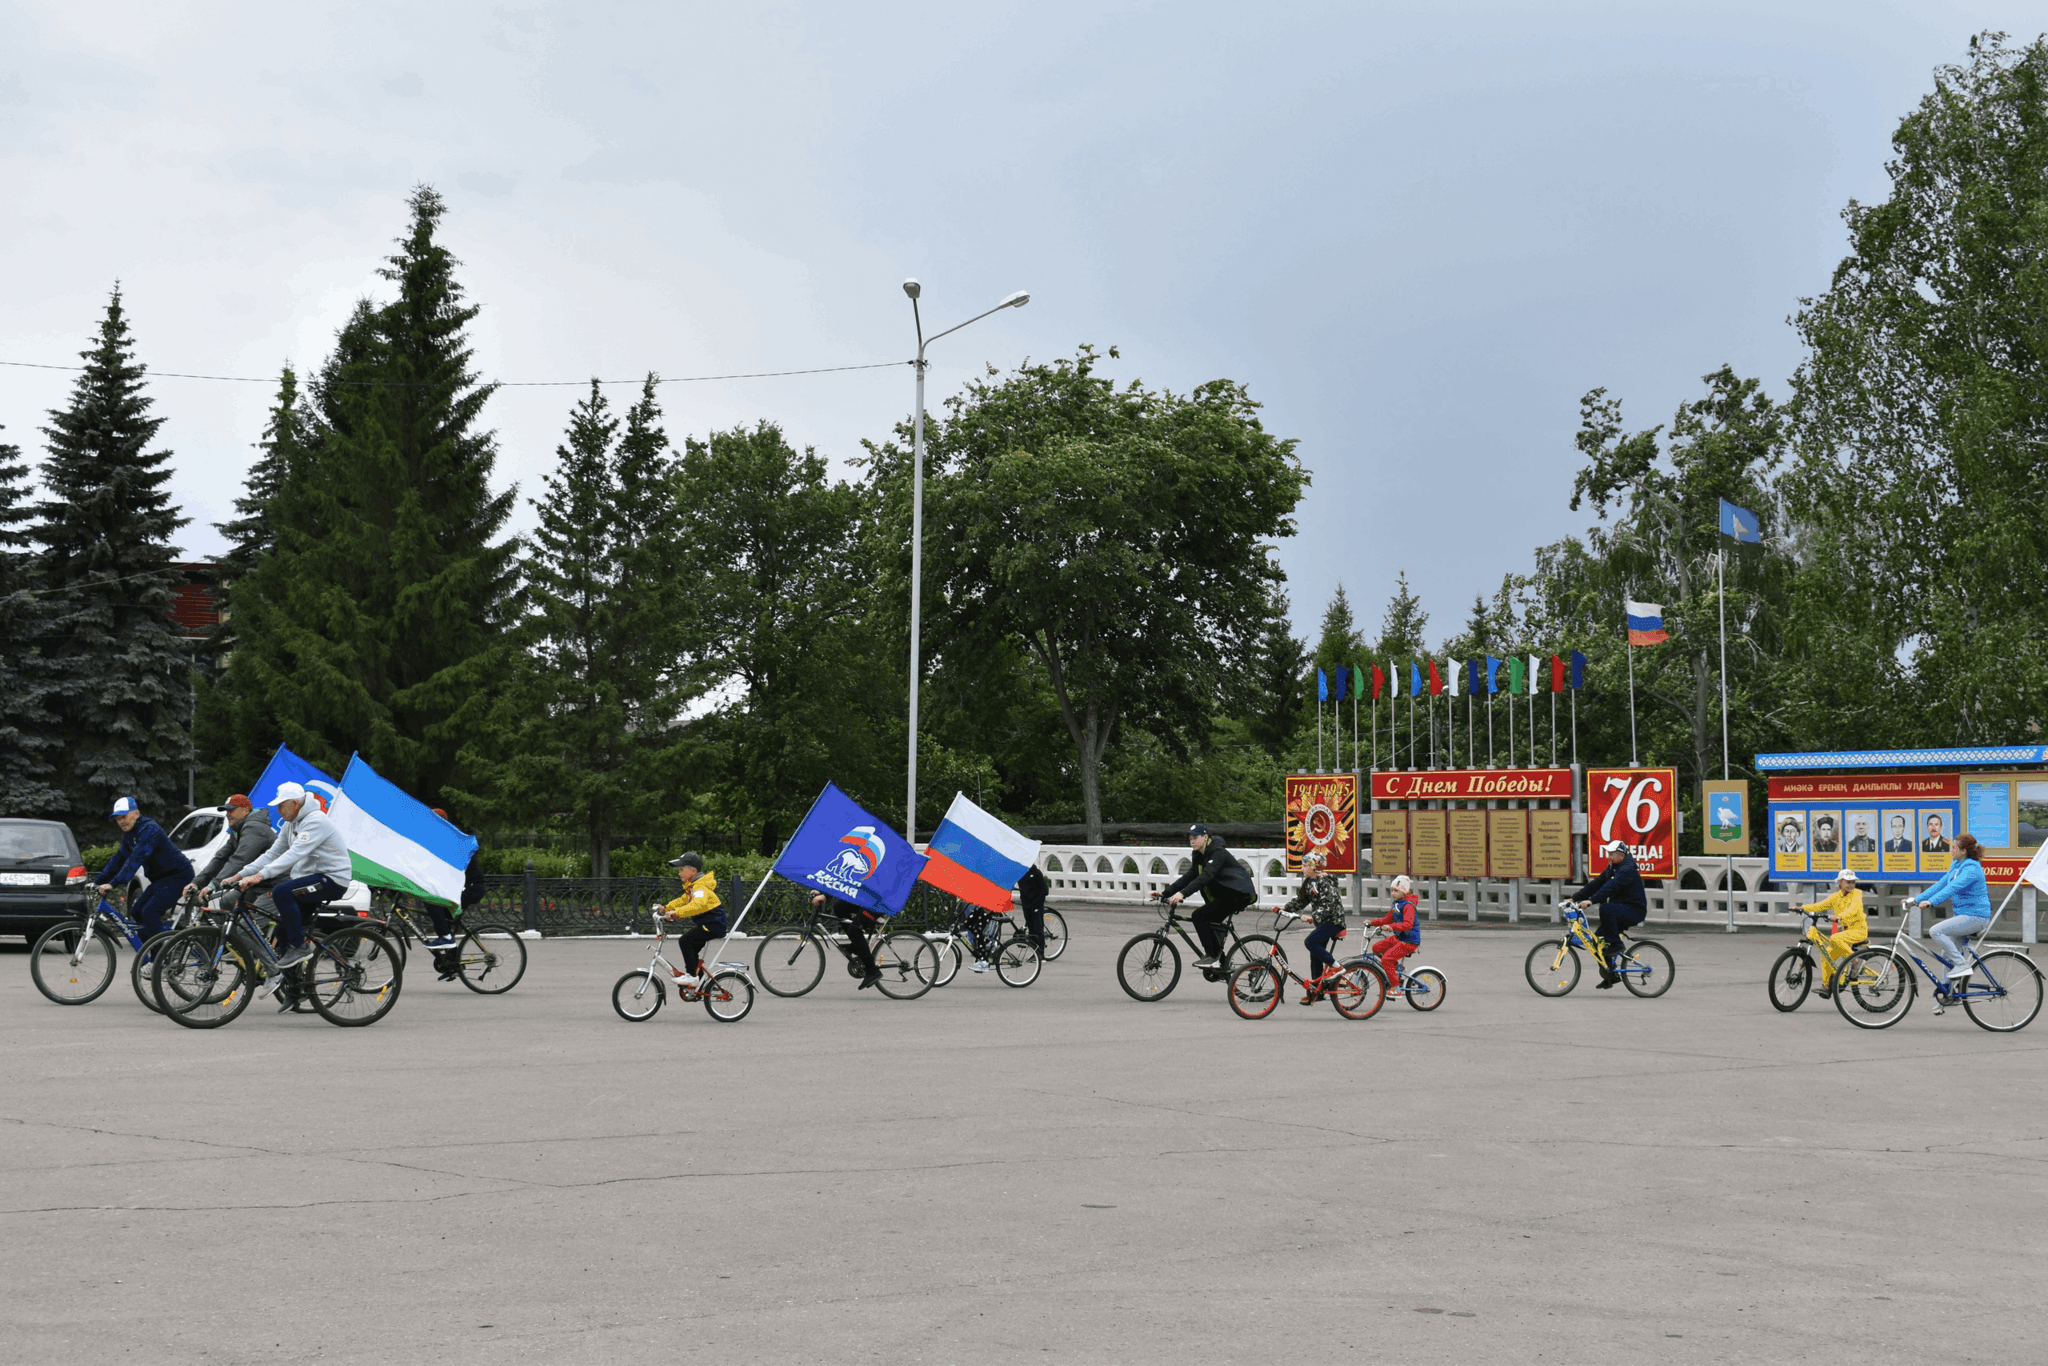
[
  {"x": 698, "y": 907},
  {"x": 1847, "y": 904}
]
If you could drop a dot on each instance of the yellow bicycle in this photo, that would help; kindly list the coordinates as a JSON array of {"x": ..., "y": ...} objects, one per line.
[{"x": 1552, "y": 967}]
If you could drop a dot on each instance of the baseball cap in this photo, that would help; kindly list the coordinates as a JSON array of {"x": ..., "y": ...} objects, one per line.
[
  {"x": 288, "y": 792},
  {"x": 126, "y": 806},
  {"x": 689, "y": 859},
  {"x": 1197, "y": 829},
  {"x": 1615, "y": 847},
  {"x": 240, "y": 799}
]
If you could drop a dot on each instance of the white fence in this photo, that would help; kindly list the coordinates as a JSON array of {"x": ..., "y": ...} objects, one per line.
[{"x": 1131, "y": 873}]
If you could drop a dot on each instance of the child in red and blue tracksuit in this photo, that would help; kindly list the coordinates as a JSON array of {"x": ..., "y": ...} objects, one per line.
[{"x": 1404, "y": 939}]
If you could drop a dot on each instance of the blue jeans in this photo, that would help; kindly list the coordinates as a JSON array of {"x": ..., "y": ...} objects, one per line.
[
  {"x": 1319, "y": 955},
  {"x": 292, "y": 893},
  {"x": 148, "y": 909},
  {"x": 1954, "y": 932}
]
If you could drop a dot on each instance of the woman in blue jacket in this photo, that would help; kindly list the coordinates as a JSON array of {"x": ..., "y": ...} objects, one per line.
[{"x": 1963, "y": 884}]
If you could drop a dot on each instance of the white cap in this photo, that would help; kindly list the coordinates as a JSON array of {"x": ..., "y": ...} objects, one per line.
[
  {"x": 1846, "y": 875},
  {"x": 1402, "y": 884},
  {"x": 125, "y": 806},
  {"x": 1615, "y": 847},
  {"x": 288, "y": 792}
]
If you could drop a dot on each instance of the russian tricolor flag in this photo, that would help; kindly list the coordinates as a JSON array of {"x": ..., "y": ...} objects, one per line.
[
  {"x": 976, "y": 857},
  {"x": 1645, "y": 623}
]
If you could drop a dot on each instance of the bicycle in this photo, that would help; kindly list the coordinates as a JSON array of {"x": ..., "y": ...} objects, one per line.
[
  {"x": 1055, "y": 932},
  {"x": 1016, "y": 959},
  {"x": 1154, "y": 973},
  {"x": 724, "y": 988},
  {"x": 72, "y": 962},
  {"x": 1874, "y": 988},
  {"x": 790, "y": 962},
  {"x": 489, "y": 969},
  {"x": 207, "y": 974},
  {"x": 1552, "y": 967},
  {"x": 1793, "y": 972},
  {"x": 1356, "y": 988}
]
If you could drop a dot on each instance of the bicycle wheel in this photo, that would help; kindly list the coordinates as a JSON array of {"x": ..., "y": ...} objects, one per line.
[
  {"x": 637, "y": 995},
  {"x": 491, "y": 959},
  {"x": 1017, "y": 962},
  {"x": 1552, "y": 968},
  {"x": 355, "y": 977},
  {"x": 1791, "y": 978},
  {"x": 789, "y": 962},
  {"x": 70, "y": 965},
  {"x": 727, "y": 997},
  {"x": 1874, "y": 988},
  {"x": 1055, "y": 935},
  {"x": 1149, "y": 968},
  {"x": 1646, "y": 968},
  {"x": 1255, "y": 989},
  {"x": 1254, "y": 948},
  {"x": 141, "y": 967},
  {"x": 1426, "y": 988},
  {"x": 909, "y": 964},
  {"x": 2006, "y": 992},
  {"x": 202, "y": 979},
  {"x": 1360, "y": 991},
  {"x": 951, "y": 956}
]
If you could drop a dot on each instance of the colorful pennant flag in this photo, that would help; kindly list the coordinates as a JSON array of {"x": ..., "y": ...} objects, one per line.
[
  {"x": 1341, "y": 675},
  {"x": 841, "y": 850},
  {"x": 1535, "y": 674},
  {"x": 1379, "y": 680},
  {"x": 1516, "y": 674},
  {"x": 1414, "y": 679},
  {"x": 1436, "y": 682},
  {"x": 1358, "y": 684},
  {"x": 1556, "y": 674},
  {"x": 1452, "y": 674},
  {"x": 1578, "y": 670},
  {"x": 1646, "y": 623},
  {"x": 395, "y": 841},
  {"x": 1492, "y": 674},
  {"x": 1322, "y": 686},
  {"x": 1472, "y": 684}
]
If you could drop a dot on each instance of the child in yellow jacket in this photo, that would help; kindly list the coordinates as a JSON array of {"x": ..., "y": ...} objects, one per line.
[
  {"x": 1847, "y": 904},
  {"x": 698, "y": 908}
]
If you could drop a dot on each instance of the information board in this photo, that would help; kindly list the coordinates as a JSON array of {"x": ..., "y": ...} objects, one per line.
[
  {"x": 1638, "y": 807},
  {"x": 1468, "y": 843},
  {"x": 1900, "y": 826},
  {"x": 1389, "y": 842},
  {"x": 1550, "y": 845},
  {"x": 1508, "y": 842},
  {"x": 1426, "y": 853}
]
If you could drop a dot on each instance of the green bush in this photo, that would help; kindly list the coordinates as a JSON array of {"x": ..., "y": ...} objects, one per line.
[
  {"x": 546, "y": 862},
  {"x": 99, "y": 856}
]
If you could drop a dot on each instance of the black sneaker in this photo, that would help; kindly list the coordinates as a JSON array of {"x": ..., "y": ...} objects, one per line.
[
  {"x": 293, "y": 957},
  {"x": 869, "y": 980}
]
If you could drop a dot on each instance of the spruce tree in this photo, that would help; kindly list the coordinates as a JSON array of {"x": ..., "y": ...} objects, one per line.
[
  {"x": 123, "y": 675},
  {"x": 28, "y": 728}
]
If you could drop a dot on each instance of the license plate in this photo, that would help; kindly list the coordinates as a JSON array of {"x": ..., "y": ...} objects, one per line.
[{"x": 24, "y": 879}]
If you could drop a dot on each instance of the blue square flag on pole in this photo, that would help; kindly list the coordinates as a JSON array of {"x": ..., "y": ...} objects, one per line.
[
  {"x": 1740, "y": 523},
  {"x": 1322, "y": 686},
  {"x": 844, "y": 852}
]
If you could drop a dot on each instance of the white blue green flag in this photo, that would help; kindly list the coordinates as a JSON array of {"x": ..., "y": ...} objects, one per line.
[{"x": 396, "y": 841}]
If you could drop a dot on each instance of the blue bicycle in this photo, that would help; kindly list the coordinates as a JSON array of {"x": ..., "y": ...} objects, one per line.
[
  {"x": 73, "y": 962},
  {"x": 1874, "y": 986}
]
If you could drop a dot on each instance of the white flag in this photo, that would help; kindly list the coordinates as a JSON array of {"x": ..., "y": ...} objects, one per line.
[
  {"x": 2036, "y": 870},
  {"x": 1457, "y": 674}
]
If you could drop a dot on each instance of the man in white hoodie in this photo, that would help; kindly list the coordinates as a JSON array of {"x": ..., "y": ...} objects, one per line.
[{"x": 312, "y": 858}]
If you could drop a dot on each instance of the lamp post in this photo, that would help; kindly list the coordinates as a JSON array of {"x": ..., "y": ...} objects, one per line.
[{"x": 913, "y": 289}]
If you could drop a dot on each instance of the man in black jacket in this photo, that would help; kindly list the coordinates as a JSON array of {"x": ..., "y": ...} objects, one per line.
[
  {"x": 1031, "y": 890},
  {"x": 1625, "y": 904},
  {"x": 1226, "y": 888}
]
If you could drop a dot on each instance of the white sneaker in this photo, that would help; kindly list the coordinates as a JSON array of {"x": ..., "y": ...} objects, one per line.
[
  {"x": 981, "y": 965},
  {"x": 683, "y": 981},
  {"x": 1960, "y": 971},
  {"x": 1206, "y": 962},
  {"x": 1936, "y": 1003}
]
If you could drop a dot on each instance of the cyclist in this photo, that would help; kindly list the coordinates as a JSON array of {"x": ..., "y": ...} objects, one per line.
[
  {"x": 1847, "y": 904},
  {"x": 1404, "y": 930},
  {"x": 249, "y": 834},
  {"x": 1964, "y": 884},
  {"x": 443, "y": 943},
  {"x": 145, "y": 848},
  {"x": 1626, "y": 903},
  {"x": 1031, "y": 890},
  {"x": 699, "y": 904},
  {"x": 1226, "y": 889},
  {"x": 857, "y": 921},
  {"x": 1321, "y": 898},
  {"x": 311, "y": 858}
]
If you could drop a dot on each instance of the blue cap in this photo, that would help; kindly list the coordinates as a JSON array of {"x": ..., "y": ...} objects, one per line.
[
  {"x": 126, "y": 806},
  {"x": 1197, "y": 829}
]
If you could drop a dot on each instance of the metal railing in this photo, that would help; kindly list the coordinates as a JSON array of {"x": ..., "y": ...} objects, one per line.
[{"x": 621, "y": 905}]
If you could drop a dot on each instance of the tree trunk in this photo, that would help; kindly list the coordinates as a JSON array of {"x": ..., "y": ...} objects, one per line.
[
  {"x": 600, "y": 854},
  {"x": 1091, "y": 772}
]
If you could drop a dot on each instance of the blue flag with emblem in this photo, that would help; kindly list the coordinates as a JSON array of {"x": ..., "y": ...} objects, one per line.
[
  {"x": 1740, "y": 523},
  {"x": 287, "y": 767},
  {"x": 843, "y": 851}
]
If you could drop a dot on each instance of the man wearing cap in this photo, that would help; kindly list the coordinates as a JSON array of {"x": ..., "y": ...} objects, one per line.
[
  {"x": 311, "y": 857},
  {"x": 1226, "y": 889},
  {"x": 1625, "y": 904},
  {"x": 1852, "y": 928},
  {"x": 249, "y": 834},
  {"x": 145, "y": 848},
  {"x": 699, "y": 907}
]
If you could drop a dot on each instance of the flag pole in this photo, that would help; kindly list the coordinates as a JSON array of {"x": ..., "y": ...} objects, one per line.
[
  {"x": 759, "y": 887},
  {"x": 1553, "y": 727},
  {"x": 1357, "y": 680},
  {"x": 1721, "y": 601},
  {"x": 1532, "y": 714},
  {"x": 1632, "y": 758}
]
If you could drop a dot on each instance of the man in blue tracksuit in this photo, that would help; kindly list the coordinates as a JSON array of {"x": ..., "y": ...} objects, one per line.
[
  {"x": 145, "y": 848},
  {"x": 1623, "y": 904}
]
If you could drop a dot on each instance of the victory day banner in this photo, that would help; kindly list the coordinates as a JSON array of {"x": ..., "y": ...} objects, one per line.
[
  {"x": 1322, "y": 815},
  {"x": 1637, "y": 806}
]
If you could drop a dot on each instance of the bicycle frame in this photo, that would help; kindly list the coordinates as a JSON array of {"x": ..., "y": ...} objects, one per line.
[
  {"x": 1578, "y": 934},
  {"x": 711, "y": 969},
  {"x": 1945, "y": 990},
  {"x": 1178, "y": 923}
]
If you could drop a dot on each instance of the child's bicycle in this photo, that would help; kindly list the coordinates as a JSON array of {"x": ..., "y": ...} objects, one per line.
[
  {"x": 1552, "y": 967},
  {"x": 1355, "y": 988},
  {"x": 1423, "y": 986},
  {"x": 1797, "y": 969},
  {"x": 724, "y": 988},
  {"x": 73, "y": 962},
  {"x": 1874, "y": 987}
]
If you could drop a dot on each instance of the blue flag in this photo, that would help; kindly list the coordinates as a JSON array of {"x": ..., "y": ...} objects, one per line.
[
  {"x": 287, "y": 767},
  {"x": 1492, "y": 674},
  {"x": 1414, "y": 679},
  {"x": 1340, "y": 684},
  {"x": 1578, "y": 670},
  {"x": 1472, "y": 676},
  {"x": 1740, "y": 523},
  {"x": 1322, "y": 686},
  {"x": 842, "y": 851}
]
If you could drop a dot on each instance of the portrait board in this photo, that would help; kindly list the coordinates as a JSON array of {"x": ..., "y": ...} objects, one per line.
[
  {"x": 1863, "y": 828},
  {"x": 1788, "y": 840},
  {"x": 1933, "y": 824},
  {"x": 1898, "y": 841},
  {"x": 1824, "y": 840}
]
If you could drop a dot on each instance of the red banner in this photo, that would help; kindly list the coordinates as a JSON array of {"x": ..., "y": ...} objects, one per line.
[
  {"x": 1875, "y": 787},
  {"x": 1322, "y": 814},
  {"x": 1472, "y": 784},
  {"x": 2004, "y": 871},
  {"x": 1636, "y": 806}
]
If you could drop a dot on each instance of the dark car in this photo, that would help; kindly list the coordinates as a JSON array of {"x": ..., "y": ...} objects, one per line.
[{"x": 42, "y": 876}]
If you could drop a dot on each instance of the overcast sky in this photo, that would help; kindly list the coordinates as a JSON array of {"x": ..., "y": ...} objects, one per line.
[{"x": 1418, "y": 232}]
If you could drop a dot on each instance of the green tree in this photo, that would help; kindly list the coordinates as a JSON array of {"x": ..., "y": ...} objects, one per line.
[
  {"x": 105, "y": 559},
  {"x": 1276, "y": 696},
  {"x": 29, "y": 742},
  {"x": 1922, "y": 419},
  {"x": 1121, "y": 535}
]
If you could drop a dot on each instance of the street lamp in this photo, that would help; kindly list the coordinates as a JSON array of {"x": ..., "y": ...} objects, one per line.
[{"x": 913, "y": 289}]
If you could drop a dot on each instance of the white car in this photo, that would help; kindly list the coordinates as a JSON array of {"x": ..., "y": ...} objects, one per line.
[{"x": 205, "y": 830}]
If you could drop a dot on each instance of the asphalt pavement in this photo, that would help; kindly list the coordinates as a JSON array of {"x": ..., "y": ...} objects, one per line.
[{"x": 1056, "y": 1173}]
